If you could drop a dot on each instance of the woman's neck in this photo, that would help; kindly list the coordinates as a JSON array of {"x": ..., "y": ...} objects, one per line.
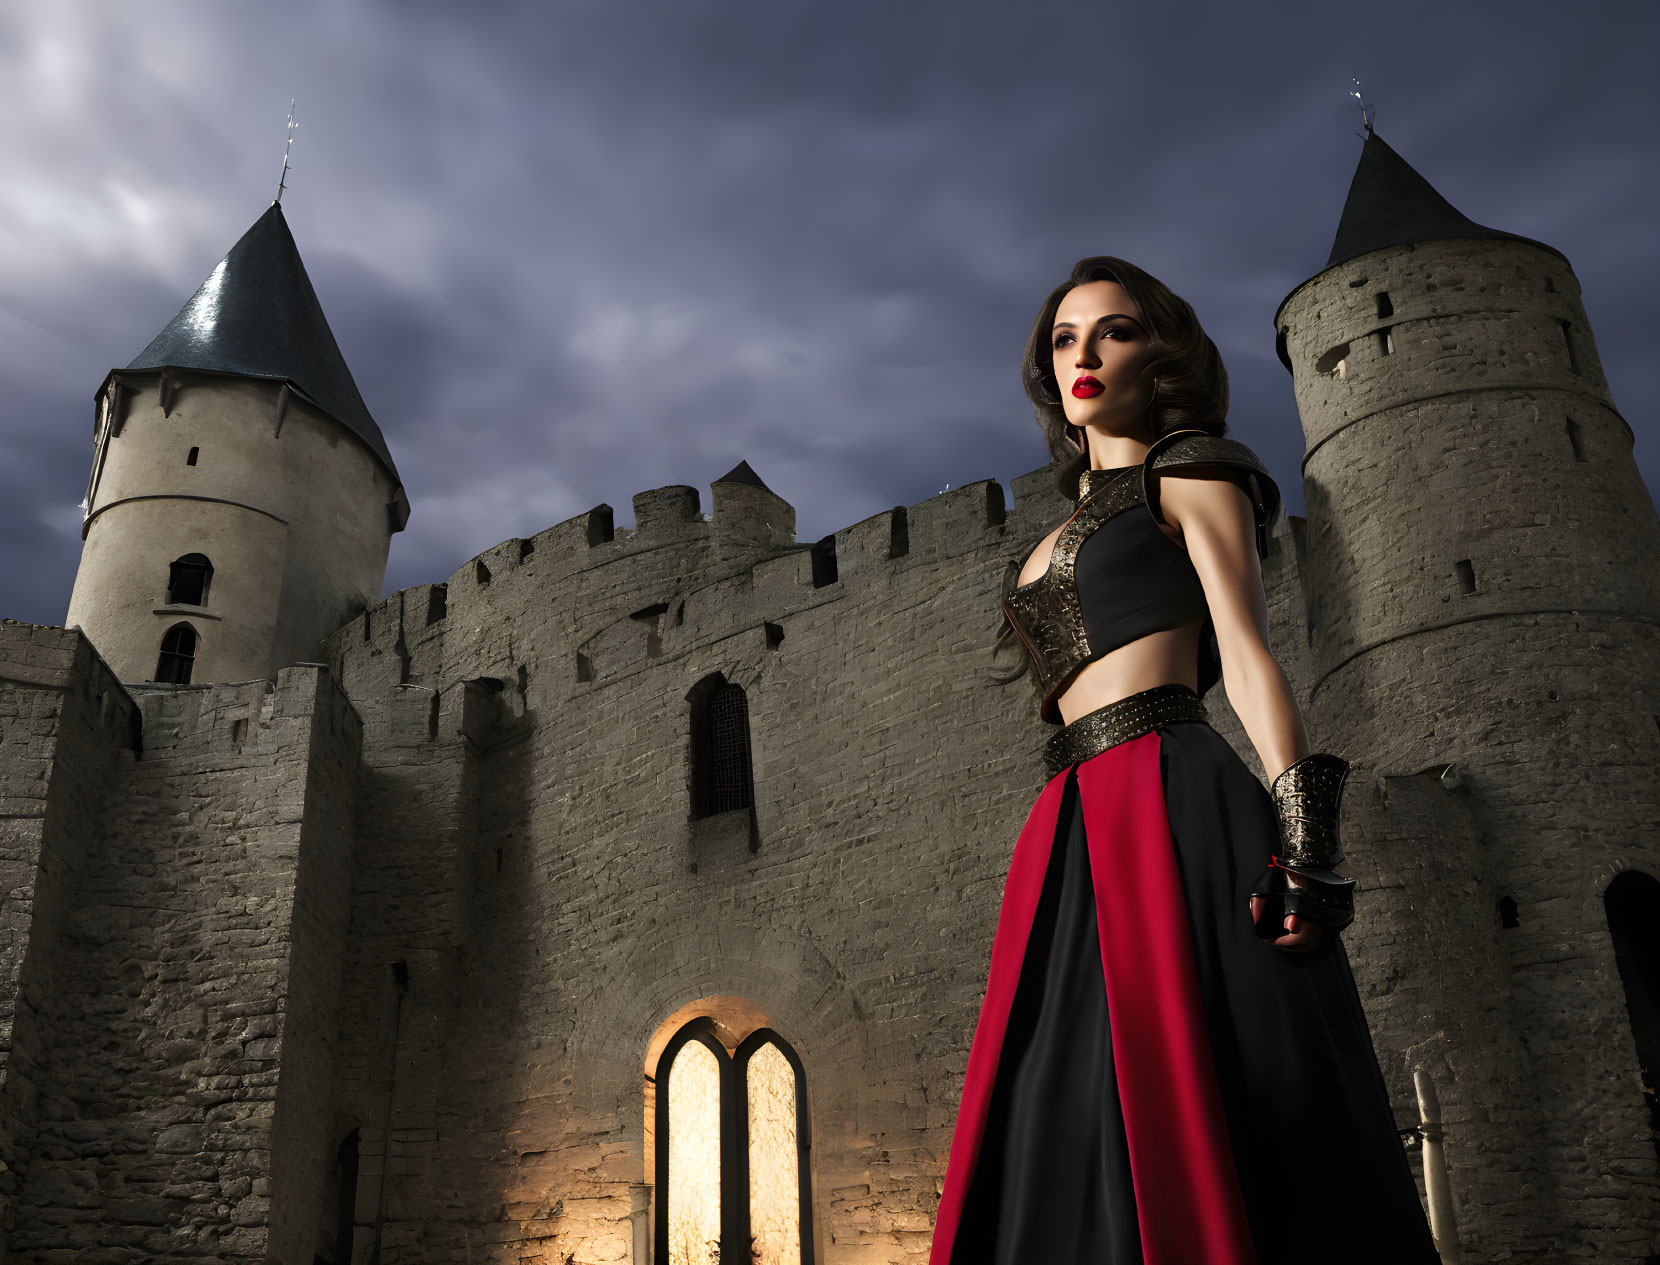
[
  {"x": 1111, "y": 450},
  {"x": 1116, "y": 453}
]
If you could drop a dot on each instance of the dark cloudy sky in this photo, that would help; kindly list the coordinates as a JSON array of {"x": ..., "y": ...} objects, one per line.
[{"x": 577, "y": 249}]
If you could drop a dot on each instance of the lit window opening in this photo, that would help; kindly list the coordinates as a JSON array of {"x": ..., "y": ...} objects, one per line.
[{"x": 732, "y": 1165}]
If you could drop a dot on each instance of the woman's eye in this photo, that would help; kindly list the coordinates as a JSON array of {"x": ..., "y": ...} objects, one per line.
[
  {"x": 1062, "y": 339},
  {"x": 1114, "y": 331}
]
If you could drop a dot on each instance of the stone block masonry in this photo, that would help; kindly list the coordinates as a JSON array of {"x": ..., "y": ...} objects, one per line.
[
  {"x": 174, "y": 1039},
  {"x": 66, "y": 729}
]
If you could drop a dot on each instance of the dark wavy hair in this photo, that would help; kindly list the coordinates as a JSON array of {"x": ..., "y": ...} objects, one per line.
[{"x": 1190, "y": 387}]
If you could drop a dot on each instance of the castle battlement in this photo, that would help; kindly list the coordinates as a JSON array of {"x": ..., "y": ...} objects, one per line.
[{"x": 591, "y": 602}]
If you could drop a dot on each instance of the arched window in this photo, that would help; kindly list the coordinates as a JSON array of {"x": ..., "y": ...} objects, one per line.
[
  {"x": 188, "y": 580},
  {"x": 733, "y": 1177},
  {"x": 723, "y": 778},
  {"x": 1632, "y": 903},
  {"x": 178, "y": 655}
]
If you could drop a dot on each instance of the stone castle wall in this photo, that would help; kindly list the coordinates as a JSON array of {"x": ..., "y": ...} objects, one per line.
[
  {"x": 1483, "y": 567},
  {"x": 66, "y": 728},
  {"x": 174, "y": 1042}
]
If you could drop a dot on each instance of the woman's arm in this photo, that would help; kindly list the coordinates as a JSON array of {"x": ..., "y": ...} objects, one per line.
[
  {"x": 1215, "y": 519},
  {"x": 1219, "y": 530}
]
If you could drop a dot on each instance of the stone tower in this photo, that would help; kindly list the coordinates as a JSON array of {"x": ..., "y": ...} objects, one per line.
[
  {"x": 242, "y": 499},
  {"x": 1481, "y": 568}
]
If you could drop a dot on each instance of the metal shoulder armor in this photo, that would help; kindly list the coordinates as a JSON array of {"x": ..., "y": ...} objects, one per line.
[{"x": 1192, "y": 449}]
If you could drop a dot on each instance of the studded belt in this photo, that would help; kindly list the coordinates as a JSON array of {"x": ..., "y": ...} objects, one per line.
[{"x": 1119, "y": 722}]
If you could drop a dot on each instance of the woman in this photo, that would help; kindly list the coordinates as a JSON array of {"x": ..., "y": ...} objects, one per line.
[{"x": 1171, "y": 1064}]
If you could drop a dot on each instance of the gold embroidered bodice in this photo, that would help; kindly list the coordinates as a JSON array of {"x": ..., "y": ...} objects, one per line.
[{"x": 1131, "y": 579}]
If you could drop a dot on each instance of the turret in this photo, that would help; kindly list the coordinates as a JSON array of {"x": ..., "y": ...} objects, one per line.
[
  {"x": 1482, "y": 571},
  {"x": 242, "y": 499}
]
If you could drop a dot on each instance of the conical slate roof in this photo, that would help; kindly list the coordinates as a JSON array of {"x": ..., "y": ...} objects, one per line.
[
  {"x": 741, "y": 473},
  {"x": 1390, "y": 204},
  {"x": 257, "y": 315}
]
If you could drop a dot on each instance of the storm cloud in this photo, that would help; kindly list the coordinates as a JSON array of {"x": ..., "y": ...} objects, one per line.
[{"x": 573, "y": 251}]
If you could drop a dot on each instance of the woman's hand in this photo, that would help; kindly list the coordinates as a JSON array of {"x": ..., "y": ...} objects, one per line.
[{"x": 1302, "y": 934}]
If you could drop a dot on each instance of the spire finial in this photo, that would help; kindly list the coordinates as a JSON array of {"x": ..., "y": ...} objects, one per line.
[
  {"x": 283, "y": 179},
  {"x": 1366, "y": 111}
]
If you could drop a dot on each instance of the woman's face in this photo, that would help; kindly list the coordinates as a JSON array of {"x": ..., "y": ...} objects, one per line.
[{"x": 1100, "y": 348}]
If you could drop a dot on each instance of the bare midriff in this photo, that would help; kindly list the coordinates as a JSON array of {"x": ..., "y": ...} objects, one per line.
[{"x": 1167, "y": 657}]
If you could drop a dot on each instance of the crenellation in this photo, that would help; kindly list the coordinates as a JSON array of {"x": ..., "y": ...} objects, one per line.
[
  {"x": 434, "y": 598},
  {"x": 381, "y": 643},
  {"x": 501, "y": 560},
  {"x": 667, "y": 514},
  {"x": 956, "y": 522},
  {"x": 871, "y": 549},
  {"x": 1037, "y": 499},
  {"x": 778, "y": 584},
  {"x": 36, "y": 654},
  {"x": 770, "y": 586},
  {"x": 568, "y": 547}
]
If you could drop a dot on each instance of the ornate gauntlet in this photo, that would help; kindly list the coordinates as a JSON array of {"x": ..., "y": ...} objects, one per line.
[{"x": 1307, "y": 796}]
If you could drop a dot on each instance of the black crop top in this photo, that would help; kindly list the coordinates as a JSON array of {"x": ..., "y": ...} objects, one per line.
[
  {"x": 1165, "y": 590},
  {"x": 1115, "y": 577}
]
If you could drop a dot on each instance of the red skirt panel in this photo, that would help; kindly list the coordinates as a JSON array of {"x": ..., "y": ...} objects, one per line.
[{"x": 1187, "y": 1197}]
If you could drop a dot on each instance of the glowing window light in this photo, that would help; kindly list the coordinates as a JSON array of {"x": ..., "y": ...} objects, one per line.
[
  {"x": 730, "y": 1135},
  {"x": 774, "y": 1179},
  {"x": 694, "y": 1156}
]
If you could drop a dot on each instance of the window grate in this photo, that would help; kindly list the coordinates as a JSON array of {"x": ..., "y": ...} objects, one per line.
[{"x": 731, "y": 777}]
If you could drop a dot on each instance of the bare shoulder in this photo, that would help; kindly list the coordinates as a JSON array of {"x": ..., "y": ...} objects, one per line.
[{"x": 1038, "y": 563}]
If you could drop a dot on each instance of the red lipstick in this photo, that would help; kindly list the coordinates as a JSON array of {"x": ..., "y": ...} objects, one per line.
[{"x": 1086, "y": 387}]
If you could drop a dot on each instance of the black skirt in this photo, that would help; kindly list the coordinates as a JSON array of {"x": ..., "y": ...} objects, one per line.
[{"x": 1276, "y": 1145}]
